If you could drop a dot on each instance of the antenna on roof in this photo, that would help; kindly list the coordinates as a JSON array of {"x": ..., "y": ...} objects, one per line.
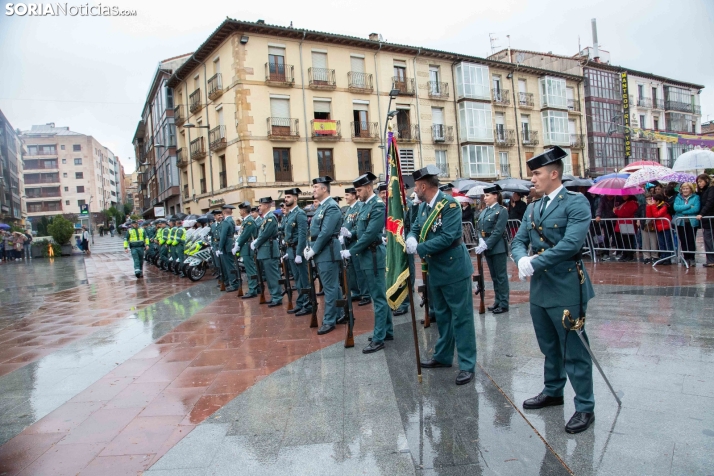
[{"x": 492, "y": 38}]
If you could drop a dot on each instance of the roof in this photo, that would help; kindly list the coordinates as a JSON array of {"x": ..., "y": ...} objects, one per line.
[
  {"x": 231, "y": 26},
  {"x": 50, "y": 129}
]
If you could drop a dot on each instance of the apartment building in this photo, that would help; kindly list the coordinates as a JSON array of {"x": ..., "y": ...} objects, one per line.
[
  {"x": 131, "y": 186},
  {"x": 155, "y": 144},
  {"x": 65, "y": 170},
  {"x": 12, "y": 202}
]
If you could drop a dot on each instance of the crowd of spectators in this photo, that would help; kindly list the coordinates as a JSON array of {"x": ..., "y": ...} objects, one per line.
[{"x": 14, "y": 246}]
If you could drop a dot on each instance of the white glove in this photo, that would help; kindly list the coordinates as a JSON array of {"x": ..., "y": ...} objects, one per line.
[
  {"x": 308, "y": 253},
  {"x": 480, "y": 249},
  {"x": 384, "y": 240},
  {"x": 482, "y": 244},
  {"x": 219, "y": 252},
  {"x": 341, "y": 239},
  {"x": 298, "y": 259},
  {"x": 411, "y": 245},
  {"x": 345, "y": 254},
  {"x": 345, "y": 232},
  {"x": 235, "y": 248},
  {"x": 252, "y": 245},
  {"x": 283, "y": 257},
  {"x": 525, "y": 267}
]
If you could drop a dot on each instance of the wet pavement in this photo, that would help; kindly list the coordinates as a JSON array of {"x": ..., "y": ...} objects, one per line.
[{"x": 170, "y": 377}]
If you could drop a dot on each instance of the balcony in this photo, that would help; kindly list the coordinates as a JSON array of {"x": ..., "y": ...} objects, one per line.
[
  {"x": 658, "y": 104},
  {"x": 408, "y": 133},
  {"x": 501, "y": 97},
  {"x": 222, "y": 179},
  {"x": 325, "y": 130},
  {"x": 404, "y": 85},
  {"x": 202, "y": 183},
  {"x": 441, "y": 133},
  {"x": 577, "y": 141},
  {"x": 359, "y": 82},
  {"x": 194, "y": 101},
  {"x": 217, "y": 138},
  {"x": 46, "y": 192},
  {"x": 642, "y": 102},
  {"x": 41, "y": 150},
  {"x": 33, "y": 179},
  {"x": 529, "y": 138},
  {"x": 215, "y": 87},
  {"x": 525, "y": 100},
  {"x": 279, "y": 75},
  {"x": 43, "y": 207},
  {"x": 364, "y": 131},
  {"x": 321, "y": 78},
  {"x": 185, "y": 192},
  {"x": 438, "y": 90},
  {"x": 198, "y": 149},
  {"x": 682, "y": 107},
  {"x": 573, "y": 106},
  {"x": 504, "y": 137},
  {"x": 41, "y": 165},
  {"x": 181, "y": 159},
  {"x": 179, "y": 115},
  {"x": 283, "y": 128}
]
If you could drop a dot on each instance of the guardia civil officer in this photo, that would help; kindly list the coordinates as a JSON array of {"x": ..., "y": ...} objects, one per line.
[
  {"x": 324, "y": 248},
  {"x": 555, "y": 227},
  {"x": 248, "y": 233},
  {"x": 266, "y": 245},
  {"x": 224, "y": 251},
  {"x": 409, "y": 216},
  {"x": 137, "y": 240},
  {"x": 255, "y": 213},
  {"x": 492, "y": 222},
  {"x": 215, "y": 239},
  {"x": 437, "y": 238},
  {"x": 371, "y": 253},
  {"x": 295, "y": 234},
  {"x": 359, "y": 290}
]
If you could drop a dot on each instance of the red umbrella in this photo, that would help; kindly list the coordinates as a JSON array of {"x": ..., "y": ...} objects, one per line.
[
  {"x": 614, "y": 186},
  {"x": 635, "y": 166}
]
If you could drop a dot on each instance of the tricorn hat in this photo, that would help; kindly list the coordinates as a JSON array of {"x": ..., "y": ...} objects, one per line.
[
  {"x": 495, "y": 188},
  {"x": 216, "y": 212},
  {"x": 548, "y": 157},
  {"x": 293, "y": 191},
  {"x": 364, "y": 179},
  {"x": 228, "y": 207},
  {"x": 350, "y": 190},
  {"x": 244, "y": 205},
  {"x": 265, "y": 200},
  {"x": 382, "y": 187},
  {"x": 254, "y": 209},
  {"x": 325, "y": 179},
  {"x": 446, "y": 187},
  {"x": 428, "y": 171}
]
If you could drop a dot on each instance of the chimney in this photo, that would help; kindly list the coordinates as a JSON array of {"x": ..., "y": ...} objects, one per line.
[
  {"x": 596, "y": 51},
  {"x": 51, "y": 124},
  {"x": 374, "y": 36}
]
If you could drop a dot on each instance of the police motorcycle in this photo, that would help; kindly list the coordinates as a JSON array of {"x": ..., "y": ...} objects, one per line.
[
  {"x": 199, "y": 254},
  {"x": 189, "y": 223}
]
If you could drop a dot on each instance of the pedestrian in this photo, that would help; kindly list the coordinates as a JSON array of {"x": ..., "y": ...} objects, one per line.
[
  {"x": 686, "y": 208},
  {"x": 136, "y": 241},
  {"x": 650, "y": 242},
  {"x": 555, "y": 227},
  {"x": 492, "y": 225},
  {"x": 657, "y": 208},
  {"x": 467, "y": 213},
  {"x": 359, "y": 288},
  {"x": 706, "y": 216},
  {"x": 516, "y": 207},
  {"x": 85, "y": 240},
  {"x": 266, "y": 246},
  {"x": 625, "y": 229},
  {"x": 28, "y": 244},
  {"x": 111, "y": 229},
  {"x": 2, "y": 246},
  {"x": 607, "y": 229}
]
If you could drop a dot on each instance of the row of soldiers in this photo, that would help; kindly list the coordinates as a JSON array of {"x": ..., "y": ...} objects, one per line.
[{"x": 164, "y": 238}]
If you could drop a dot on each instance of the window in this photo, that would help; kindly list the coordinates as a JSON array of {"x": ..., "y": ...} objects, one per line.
[
  {"x": 679, "y": 122},
  {"x": 640, "y": 92},
  {"x": 655, "y": 123},
  {"x": 76, "y": 147},
  {"x": 66, "y": 189},
  {"x": 364, "y": 161},
  {"x": 643, "y": 125},
  {"x": 526, "y": 129},
  {"x": 406, "y": 160},
  {"x": 434, "y": 86},
  {"x": 66, "y": 202},
  {"x": 80, "y": 203},
  {"x": 475, "y": 121},
  {"x": 222, "y": 171},
  {"x": 325, "y": 163},
  {"x": 479, "y": 160},
  {"x": 64, "y": 175},
  {"x": 77, "y": 175},
  {"x": 64, "y": 161},
  {"x": 553, "y": 92},
  {"x": 602, "y": 84},
  {"x": 359, "y": 78},
  {"x": 440, "y": 156},
  {"x": 360, "y": 116},
  {"x": 77, "y": 161},
  {"x": 321, "y": 109},
  {"x": 654, "y": 98},
  {"x": 568, "y": 163},
  {"x": 602, "y": 114},
  {"x": 437, "y": 121},
  {"x": 555, "y": 128},
  {"x": 500, "y": 127},
  {"x": 400, "y": 76},
  {"x": 503, "y": 162},
  {"x": 282, "y": 165},
  {"x": 276, "y": 63},
  {"x": 472, "y": 81},
  {"x": 320, "y": 73},
  {"x": 62, "y": 148},
  {"x": 169, "y": 98}
]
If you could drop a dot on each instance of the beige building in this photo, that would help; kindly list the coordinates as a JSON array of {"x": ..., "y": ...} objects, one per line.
[
  {"x": 131, "y": 185},
  {"x": 260, "y": 108},
  {"x": 65, "y": 170}
]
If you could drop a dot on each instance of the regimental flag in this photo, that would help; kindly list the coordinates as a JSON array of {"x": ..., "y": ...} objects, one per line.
[{"x": 397, "y": 267}]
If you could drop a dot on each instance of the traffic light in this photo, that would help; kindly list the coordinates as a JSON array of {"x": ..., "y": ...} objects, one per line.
[{"x": 84, "y": 209}]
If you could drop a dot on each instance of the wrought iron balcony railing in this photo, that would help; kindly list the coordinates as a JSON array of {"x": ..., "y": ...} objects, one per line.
[
  {"x": 501, "y": 97},
  {"x": 438, "y": 90},
  {"x": 198, "y": 149},
  {"x": 359, "y": 82},
  {"x": 181, "y": 159},
  {"x": 573, "y": 105},
  {"x": 525, "y": 100},
  {"x": 194, "y": 101},
  {"x": 408, "y": 133},
  {"x": 529, "y": 138},
  {"x": 321, "y": 78},
  {"x": 217, "y": 138},
  {"x": 404, "y": 85},
  {"x": 283, "y": 128},
  {"x": 504, "y": 137},
  {"x": 179, "y": 115},
  {"x": 442, "y": 133},
  {"x": 215, "y": 86},
  {"x": 325, "y": 130},
  {"x": 682, "y": 107},
  {"x": 279, "y": 74},
  {"x": 576, "y": 141},
  {"x": 363, "y": 131}
]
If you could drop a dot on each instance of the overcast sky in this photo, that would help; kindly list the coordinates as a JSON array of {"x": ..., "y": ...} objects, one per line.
[{"x": 92, "y": 73}]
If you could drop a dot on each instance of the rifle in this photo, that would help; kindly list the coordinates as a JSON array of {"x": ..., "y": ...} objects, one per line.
[
  {"x": 310, "y": 291},
  {"x": 424, "y": 290},
  {"x": 478, "y": 279},
  {"x": 236, "y": 263},
  {"x": 259, "y": 277},
  {"x": 347, "y": 304},
  {"x": 286, "y": 274}
]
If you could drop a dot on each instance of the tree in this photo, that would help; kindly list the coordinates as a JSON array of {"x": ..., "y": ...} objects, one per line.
[
  {"x": 128, "y": 208},
  {"x": 61, "y": 230},
  {"x": 43, "y": 225}
]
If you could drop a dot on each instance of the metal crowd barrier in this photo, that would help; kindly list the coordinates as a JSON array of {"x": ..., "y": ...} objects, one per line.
[
  {"x": 687, "y": 237},
  {"x": 633, "y": 235},
  {"x": 468, "y": 235}
]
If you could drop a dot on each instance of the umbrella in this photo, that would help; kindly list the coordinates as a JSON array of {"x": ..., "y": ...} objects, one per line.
[
  {"x": 463, "y": 199},
  {"x": 679, "y": 177},
  {"x": 603, "y": 177},
  {"x": 576, "y": 181},
  {"x": 463, "y": 184},
  {"x": 694, "y": 160},
  {"x": 614, "y": 186},
  {"x": 647, "y": 174},
  {"x": 515, "y": 185},
  {"x": 475, "y": 192},
  {"x": 4, "y": 226},
  {"x": 635, "y": 166}
]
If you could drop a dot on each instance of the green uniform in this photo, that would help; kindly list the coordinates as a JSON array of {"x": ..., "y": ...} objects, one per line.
[
  {"x": 555, "y": 286},
  {"x": 169, "y": 237},
  {"x": 214, "y": 239},
  {"x": 295, "y": 232},
  {"x": 358, "y": 285},
  {"x": 179, "y": 244},
  {"x": 150, "y": 232},
  {"x": 248, "y": 233},
  {"x": 136, "y": 240},
  {"x": 161, "y": 237},
  {"x": 324, "y": 230},
  {"x": 492, "y": 226},
  {"x": 369, "y": 250},
  {"x": 225, "y": 246},
  {"x": 267, "y": 247},
  {"x": 449, "y": 269}
]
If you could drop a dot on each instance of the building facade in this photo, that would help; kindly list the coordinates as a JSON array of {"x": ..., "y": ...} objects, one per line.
[
  {"x": 131, "y": 185},
  {"x": 12, "y": 202},
  {"x": 64, "y": 170}
]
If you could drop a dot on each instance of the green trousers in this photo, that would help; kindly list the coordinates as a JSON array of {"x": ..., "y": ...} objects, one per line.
[
  {"x": 454, "y": 310},
  {"x": 228, "y": 270},
  {"x": 498, "y": 268},
  {"x": 555, "y": 342},
  {"x": 180, "y": 252},
  {"x": 163, "y": 253},
  {"x": 249, "y": 265},
  {"x": 271, "y": 269},
  {"x": 329, "y": 272},
  {"x": 137, "y": 254},
  {"x": 383, "y": 324},
  {"x": 299, "y": 272},
  {"x": 216, "y": 259}
]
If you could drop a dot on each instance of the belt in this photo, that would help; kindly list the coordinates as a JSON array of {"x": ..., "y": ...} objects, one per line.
[
  {"x": 485, "y": 235},
  {"x": 373, "y": 247},
  {"x": 455, "y": 244},
  {"x": 136, "y": 244}
]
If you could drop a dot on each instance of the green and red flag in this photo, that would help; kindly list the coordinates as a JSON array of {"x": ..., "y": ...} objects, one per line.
[{"x": 397, "y": 266}]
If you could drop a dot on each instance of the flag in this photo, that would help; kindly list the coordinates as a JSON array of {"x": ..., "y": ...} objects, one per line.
[
  {"x": 397, "y": 267},
  {"x": 324, "y": 127}
]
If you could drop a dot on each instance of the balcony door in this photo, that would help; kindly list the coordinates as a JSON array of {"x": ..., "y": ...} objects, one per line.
[
  {"x": 496, "y": 88},
  {"x": 364, "y": 161},
  {"x": 325, "y": 163},
  {"x": 280, "y": 116},
  {"x": 319, "y": 68},
  {"x": 435, "y": 88},
  {"x": 359, "y": 78},
  {"x": 500, "y": 127},
  {"x": 276, "y": 63},
  {"x": 525, "y": 129},
  {"x": 360, "y": 116},
  {"x": 400, "y": 76},
  {"x": 403, "y": 124},
  {"x": 282, "y": 165},
  {"x": 437, "y": 119},
  {"x": 571, "y": 131}
]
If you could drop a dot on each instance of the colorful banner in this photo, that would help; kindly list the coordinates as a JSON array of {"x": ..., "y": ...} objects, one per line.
[
  {"x": 325, "y": 127},
  {"x": 626, "y": 116},
  {"x": 397, "y": 272}
]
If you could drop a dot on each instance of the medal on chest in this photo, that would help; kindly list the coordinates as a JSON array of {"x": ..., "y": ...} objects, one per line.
[{"x": 436, "y": 225}]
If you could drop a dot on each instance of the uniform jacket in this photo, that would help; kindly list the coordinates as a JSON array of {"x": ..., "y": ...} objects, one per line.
[
  {"x": 350, "y": 222},
  {"x": 565, "y": 222},
  {"x": 367, "y": 232},
  {"x": 295, "y": 229},
  {"x": 446, "y": 263},
  {"x": 215, "y": 232},
  {"x": 267, "y": 243},
  {"x": 248, "y": 233},
  {"x": 324, "y": 230},
  {"x": 225, "y": 234},
  {"x": 135, "y": 236},
  {"x": 493, "y": 222}
]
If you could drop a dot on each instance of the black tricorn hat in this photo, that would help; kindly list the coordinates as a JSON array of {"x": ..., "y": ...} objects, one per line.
[
  {"x": 408, "y": 181},
  {"x": 325, "y": 179},
  {"x": 228, "y": 207},
  {"x": 364, "y": 179},
  {"x": 337, "y": 199},
  {"x": 446, "y": 187},
  {"x": 216, "y": 212},
  {"x": 428, "y": 171},
  {"x": 382, "y": 187},
  {"x": 265, "y": 200},
  {"x": 548, "y": 157},
  {"x": 495, "y": 188},
  {"x": 254, "y": 209},
  {"x": 351, "y": 190},
  {"x": 293, "y": 191},
  {"x": 244, "y": 205}
]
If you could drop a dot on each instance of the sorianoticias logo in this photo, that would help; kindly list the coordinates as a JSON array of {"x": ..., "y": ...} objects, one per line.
[{"x": 65, "y": 10}]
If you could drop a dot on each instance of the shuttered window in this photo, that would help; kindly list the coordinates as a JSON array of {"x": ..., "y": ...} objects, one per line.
[
  {"x": 279, "y": 107},
  {"x": 322, "y": 106},
  {"x": 406, "y": 160},
  {"x": 276, "y": 51},
  {"x": 319, "y": 60},
  {"x": 356, "y": 106},
  {"x": 357, "y": 64}
]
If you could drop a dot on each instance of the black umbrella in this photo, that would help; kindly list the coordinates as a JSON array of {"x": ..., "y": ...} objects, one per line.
[
  {"x": 515, "y": 185},
  {"x": 572, "y": 181},
  {"x": 464, "y": 185}
]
